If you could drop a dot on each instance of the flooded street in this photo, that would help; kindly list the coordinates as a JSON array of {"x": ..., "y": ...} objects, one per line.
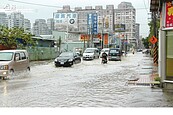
[{"x": 88, "y": 84}]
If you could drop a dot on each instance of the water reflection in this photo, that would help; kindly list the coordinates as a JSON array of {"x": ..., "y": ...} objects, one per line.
[{"x": 5, "y": 88}]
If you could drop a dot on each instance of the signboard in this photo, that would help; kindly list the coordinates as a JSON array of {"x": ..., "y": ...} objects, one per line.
[
  {"x": 169, "y": 15},
  {"x": 105, "y": 39},
  {"x": 92, "y": 23},
  {"x": 153, "y": 39},
  {"x": 96, "y": 40},
  {"x": 62, "y": 19},
  {"x": 84, "y": 37},
  {"x": 119, "y": 27}
]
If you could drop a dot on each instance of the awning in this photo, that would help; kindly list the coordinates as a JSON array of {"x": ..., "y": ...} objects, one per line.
[{"x": 154, "y": 5}]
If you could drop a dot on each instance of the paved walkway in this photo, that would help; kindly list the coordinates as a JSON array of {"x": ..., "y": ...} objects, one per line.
[{"x": 147, "y": 75}]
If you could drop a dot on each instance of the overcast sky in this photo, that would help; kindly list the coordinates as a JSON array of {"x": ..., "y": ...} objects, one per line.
[{"x": 33, "y": 12}]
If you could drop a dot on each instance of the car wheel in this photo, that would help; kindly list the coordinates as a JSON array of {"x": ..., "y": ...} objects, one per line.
[
  {"x": 10, "y": 74},
  {"x": 56, "y": 65},
  {"x": 72, "y": 63},
  {"x": 4, "y": 78},
  {"x": 28, "y": 69}
]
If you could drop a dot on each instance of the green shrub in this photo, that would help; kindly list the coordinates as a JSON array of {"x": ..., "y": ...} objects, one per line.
[{"x": 157, "y": 78}]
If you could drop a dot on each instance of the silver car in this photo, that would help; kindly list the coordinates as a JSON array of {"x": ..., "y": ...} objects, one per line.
[
  {"x": 12, "y": 61},
  {"x": 90, "y": 54}
]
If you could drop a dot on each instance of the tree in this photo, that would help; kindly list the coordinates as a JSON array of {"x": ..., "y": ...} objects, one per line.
[
  {"x": 145, "y": 42},
  {"x": 151, "y": 25},
  {"x": 15, "y": 37}
]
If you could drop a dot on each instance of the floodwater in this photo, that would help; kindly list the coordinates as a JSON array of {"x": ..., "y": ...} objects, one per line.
[{"x": 88, "y": 84}]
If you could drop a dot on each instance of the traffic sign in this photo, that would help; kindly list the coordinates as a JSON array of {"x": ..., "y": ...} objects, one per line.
[{"x": 153, "y": 40}]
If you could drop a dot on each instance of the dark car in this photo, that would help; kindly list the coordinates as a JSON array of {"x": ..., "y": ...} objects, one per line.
[
  {"x": 67, "y": 59},
  {"x": 114, "y": 54}
]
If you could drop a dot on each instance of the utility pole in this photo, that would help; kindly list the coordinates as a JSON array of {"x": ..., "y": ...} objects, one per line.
[
  {"x": 84, "y": 41},
  {"x": 126, "y": 45},
  {"x": 102, "y": 40},
  {"x": 155, "y": 47}
]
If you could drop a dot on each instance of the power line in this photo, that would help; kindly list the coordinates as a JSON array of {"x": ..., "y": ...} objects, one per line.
[
  {"x": 30, "y": 3},
  {"x": 35, "y": 4},
  {"x": 145, "y": 6}
]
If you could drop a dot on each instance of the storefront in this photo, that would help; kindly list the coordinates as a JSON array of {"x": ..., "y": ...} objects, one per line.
[
  {"x": 164, "y": 9},
  {"x": 169, "y": 55}
]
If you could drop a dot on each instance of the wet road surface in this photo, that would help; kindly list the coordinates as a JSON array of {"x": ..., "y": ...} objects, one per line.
[{"x": 88, "y": 84}]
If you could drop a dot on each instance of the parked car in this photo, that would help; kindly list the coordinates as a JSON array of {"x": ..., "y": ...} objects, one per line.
[
  {"x": 146, "y": 51},
  {"x": 12, "y": 61},
  {"x": 90, "y": 54},
  {"x": 139, "y": 50},
  {"x": 67, "y": 59},
  {"x": 106, "y": 50},
  {"x": 114, "y": 54}
]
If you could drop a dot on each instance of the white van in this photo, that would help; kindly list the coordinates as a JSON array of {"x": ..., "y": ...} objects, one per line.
[
  {"x": 12, "y": 61},
  {"x": 90, "y": 54}
]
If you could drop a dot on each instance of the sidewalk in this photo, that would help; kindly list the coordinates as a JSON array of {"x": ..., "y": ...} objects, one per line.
[{"x": 146, "y": 78}]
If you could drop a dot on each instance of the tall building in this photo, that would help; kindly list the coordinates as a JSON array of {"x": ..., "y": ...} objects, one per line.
[
  {"x": 137, "y": 35},
  {"x": 40, "y": 27},
  {"x": 50, "y": 24},
  {"x": 107, "y": 18},
  {"x": 27, "y": 25},
  {"x": 3, "y": 19},
  {"x": 16, "y": 19},
  {"x": 126, "y": 14},
  {"x": 65, "y": 19},
  {"x": 82, "y": 18}
]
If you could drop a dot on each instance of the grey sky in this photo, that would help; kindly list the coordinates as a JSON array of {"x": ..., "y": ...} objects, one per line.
[{"x": 42, "y": 12}]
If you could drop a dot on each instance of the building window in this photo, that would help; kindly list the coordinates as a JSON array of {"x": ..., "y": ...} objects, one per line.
[{"x": 169, "y": 55}]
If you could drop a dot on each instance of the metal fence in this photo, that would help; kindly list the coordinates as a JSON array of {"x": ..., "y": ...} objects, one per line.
[{"x": 42, "y": 53}]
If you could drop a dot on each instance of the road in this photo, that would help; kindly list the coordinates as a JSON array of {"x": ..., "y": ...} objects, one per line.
[{"x": 88, "y": 84}]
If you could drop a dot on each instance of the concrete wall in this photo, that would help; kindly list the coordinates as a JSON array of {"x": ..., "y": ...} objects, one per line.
[{"x": 71, "y": 45}]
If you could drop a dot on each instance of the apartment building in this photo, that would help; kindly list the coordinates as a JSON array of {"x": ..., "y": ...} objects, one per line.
[
  {"x": 16, "y": 19},
  {"x": 137, "y": 36},
  {"x": 50, "y": 25},
  {"x": 3, "y": 19},
  {"x": 40, "y": 27},
  {"x": 27, "y": 25},
  {"x": 107, "y": 18},
  {"x": 126, "y": 14}
]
